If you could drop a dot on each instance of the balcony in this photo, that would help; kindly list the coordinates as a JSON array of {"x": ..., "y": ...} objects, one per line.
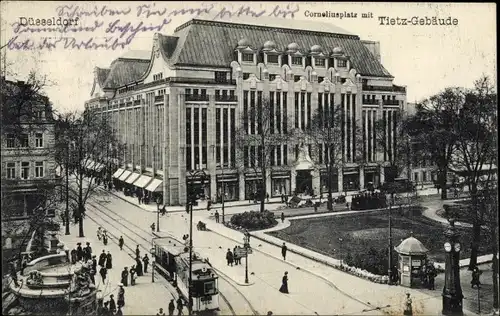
[
  {"x": 392, "y": 88},
  {"x": 226, "y": 98},
  {"x": 137, "y": 102},
  {"x": 159, "y": 98},
  {"x": 196, "y": 97},
  {"x": 391, "y": 102},
  {"x": 200, "y": 80},
  {"x": 129, "y": 104},
  {"x": 370, "y": 101}
]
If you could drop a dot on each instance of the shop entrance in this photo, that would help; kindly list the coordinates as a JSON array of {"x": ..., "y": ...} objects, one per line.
[{"x": 303, "y": 182}]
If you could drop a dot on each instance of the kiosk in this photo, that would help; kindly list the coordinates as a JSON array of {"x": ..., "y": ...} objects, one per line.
[{"x": 412, "y": 255}]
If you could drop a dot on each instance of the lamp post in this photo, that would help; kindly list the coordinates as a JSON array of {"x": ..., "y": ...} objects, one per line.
[
  {"x": 246, "y": 244},
  {"x": 153, "y": 262},
  {"x": 340, "y": 250},
  {"x": 158, "y": 215},
  {"x": 452, "y": 291},
  {"x": 389, "y": 270}
]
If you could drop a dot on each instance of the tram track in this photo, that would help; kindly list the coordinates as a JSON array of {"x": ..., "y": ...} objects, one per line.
[
  {"x": 330, "y": 284},
  {"x": 148, "y": 240}
]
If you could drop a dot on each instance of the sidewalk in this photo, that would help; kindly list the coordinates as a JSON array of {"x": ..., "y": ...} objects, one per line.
[{"x": 139, "y": 299}]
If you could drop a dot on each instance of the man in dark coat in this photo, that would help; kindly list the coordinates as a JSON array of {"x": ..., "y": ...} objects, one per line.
[
  {"x": 121, "y": 242},
  {"x": 94, "y": 263},
  {"x": 132, "y": 275},
  {"x": 146, "y": 262},
  {"x": 282, "y": 217},
  {"x": 138, "y": 266},
  {"x": 79, "y": 252},
  {"x": 88, "y": 252},
  {"x": 180, "y": 306},
  {"x": 103, "y": 272},
  {"x": 171, "y": 307},
  {"x": 137, "y": 251},
  {"x": 283, "y": 251},
  {"x": 229, "y": 257},
  {"x": 73, "y": 256},
  {"x": 121, "y": 296},
  {"x": 105, "y": 238},
  {"x": 217, "y": 216},
  {"x": 102, "y": 258},
  {"x": 125, "y": 276},
  {"x": 112, "y": 304},
  {"x": 109, "y": 261}
]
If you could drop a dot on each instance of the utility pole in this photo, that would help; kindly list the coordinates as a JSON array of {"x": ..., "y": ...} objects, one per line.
[
  {"x": 223, "y": 194},
  {"x": 389, "y": 271}
]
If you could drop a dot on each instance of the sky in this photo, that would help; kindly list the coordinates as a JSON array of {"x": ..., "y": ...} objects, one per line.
[{"x": 425, "y": 58}]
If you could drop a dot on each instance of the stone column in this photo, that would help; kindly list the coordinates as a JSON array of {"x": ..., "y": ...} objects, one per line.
[
  {"x": 341, "y": 179},
  {"x": 316, "y": 183},
  {"x": 166, "y": 149},
  {"x": 361, "y": 177},
  {"x": 293, "y": 180},
  {"x": 382, "y": 174},
  {"x": 241, "y": 179}
]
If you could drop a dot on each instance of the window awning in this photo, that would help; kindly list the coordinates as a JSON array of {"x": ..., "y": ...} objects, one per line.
[
  {"x": 132, "y": 177},
  {"x": 125, "y": 175},
  {"x": 98, "y": 167},
  {"x": 118, "y": 173},
  {"x": 155, "y": 186},
  {"x": 142, "y": 181},
  {"x": 90, "y": 164}
]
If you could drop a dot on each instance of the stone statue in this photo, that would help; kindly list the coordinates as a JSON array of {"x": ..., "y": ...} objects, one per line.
[
  {"x": 35, "y": 278},
  {"x": 81, "y": 284}
]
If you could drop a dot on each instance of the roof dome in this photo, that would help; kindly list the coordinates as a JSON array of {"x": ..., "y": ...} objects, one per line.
[
  {"x": 316, "y": 49},
  {"x": 293, "y": 47},
  {"x": 338, "y": 50},
  {"x": 243, "y": 42},
  {"x": 269, "y": 45},
  {"x": 411, "y": 246}
]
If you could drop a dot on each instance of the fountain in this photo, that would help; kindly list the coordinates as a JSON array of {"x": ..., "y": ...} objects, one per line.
[{"x": 30, "y": 242}]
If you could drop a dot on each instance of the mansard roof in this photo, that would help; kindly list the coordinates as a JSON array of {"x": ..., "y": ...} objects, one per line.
[
  {"x": 212, "y": 43},
  {"x": 102, "y": 75},
  {"x": 126, "y": 69}
]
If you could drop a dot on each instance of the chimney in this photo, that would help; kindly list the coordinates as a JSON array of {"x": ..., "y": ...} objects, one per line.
[{"x": 374, "y": 48}]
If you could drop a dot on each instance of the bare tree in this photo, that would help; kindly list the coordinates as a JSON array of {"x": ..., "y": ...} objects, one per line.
[{"x": 257, "y": 141}]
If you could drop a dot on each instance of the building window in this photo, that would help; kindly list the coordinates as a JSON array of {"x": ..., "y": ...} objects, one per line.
[
  {"x": 39, "y": 169},
  {"x": 25, "y": 170},
  {"x": 272, "y": 77},
  {"x": 187, "y": 91},
  {"x": 11, "y": 141},
  {"x": 24, "y": 140},
  {"x": 297, "y": 61},
  {"x": 38, "y": 140},
  {"x": 341, "y": 63},
  {"x": 158, "y": 77},
  {"x": 247, "y": 57},
  {"x": 246, "y": 75},
  {"x": 272, "y": 59},
  {"x": 220, "y": 76},
  {"x": 11, "y": 170},
  {"x": 319, "y": 62},
  {"x": 296, "y": 78}
]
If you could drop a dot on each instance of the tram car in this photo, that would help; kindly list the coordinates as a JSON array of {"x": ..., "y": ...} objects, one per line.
[{"x": 172, "y": 260}]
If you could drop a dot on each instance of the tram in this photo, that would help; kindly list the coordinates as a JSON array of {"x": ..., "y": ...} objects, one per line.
[{"x": 172, "y": 260}]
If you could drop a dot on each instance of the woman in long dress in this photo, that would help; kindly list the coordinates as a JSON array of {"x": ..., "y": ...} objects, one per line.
[
  {"x": 109, "y": 261},
  {"x": 284, "y": 284}
]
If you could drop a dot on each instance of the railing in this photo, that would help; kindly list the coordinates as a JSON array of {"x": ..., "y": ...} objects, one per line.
[
  {"x": 392, "y": 88},
  {"x": 137, "y": 102},
  {"x": 391, "y": 102},
  {"x": 129, "y": 104},
  {"x": 196, "y": 97},
  {"x": 370, "y": 101},
  {"x": 226, "y": 98},
  {"x": 159, "y": 98},
  {"x": 199, "y": 80}
]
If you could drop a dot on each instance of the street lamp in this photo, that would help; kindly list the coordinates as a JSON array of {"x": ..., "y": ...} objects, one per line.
[
  {"x": 152, "y": 251},
  {"x": 246, "y": 244},
  {"x": 158, "y": 215},
  {"x": 389, "y": 270},
  {"x": 340, "y": 250},
  {"x": 452, "y": 291}
]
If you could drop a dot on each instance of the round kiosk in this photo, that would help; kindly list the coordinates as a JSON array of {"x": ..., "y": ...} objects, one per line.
[{"x": 412, "y": 256}]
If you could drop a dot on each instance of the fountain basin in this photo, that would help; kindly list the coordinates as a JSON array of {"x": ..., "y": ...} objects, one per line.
[{"x": 45, "y": 262}]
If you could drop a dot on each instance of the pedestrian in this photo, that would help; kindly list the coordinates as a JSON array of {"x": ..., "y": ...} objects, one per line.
[
  {"x": 216, "y": 216},
  {"x": 125, "y": 276},
  {"x": 112, "y": 304},
  {"x": 284, "y": 284},
  {"x": 171, "y": 307},
  {"x": 121, "y": 242},
  {"x": 247, "y": 235},
  {"x": 476, "y": 273},
  {"x": 105, "y": 310},
  {"x": 121, "y": 295},
  {"x": 94, "y": 263},
  {"x": 119, "y": 312},
  {"x": 282, "y": 217},
  {"x": 146, "y": 262},
  {"x": 432, "y": 275},
  {"x": 88, "y": 252},
  {"x": 103, "y": 272},
  {"x": 152, "y": 227},
  {"x": 267, "y": 197},
  {"x": 102, "y": 259},
  {"x": 132, "y": 275},
  {"x": 180, "y": 305},
  {"x": 109, "y": 262},
  {"x": 137, "y": 251},
  {"x": 283, "y": 251},
  {"x": 105, "y": 238},
  {"x": 79, "y": 252},
  {"x": 282, "y": 198},
  {"x": 235, "y": 256},
  {"x": 99, "y": 233},
  {"x": 229, "y": 257},
  {"x": 138, "y": 266},
  {"x": 73, "y": 256},
  {"x": 209, "y": 205},
  {"x": 269, "y": 313},
  {"x": 92, "y": 275},
  {"x": 160, "y": 312}
]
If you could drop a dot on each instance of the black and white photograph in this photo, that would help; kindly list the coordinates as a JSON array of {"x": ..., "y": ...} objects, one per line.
[{"x": 249, "y": 158}]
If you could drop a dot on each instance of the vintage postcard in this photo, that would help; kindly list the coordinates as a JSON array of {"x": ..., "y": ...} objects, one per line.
[{"x": 249, "y": 158}]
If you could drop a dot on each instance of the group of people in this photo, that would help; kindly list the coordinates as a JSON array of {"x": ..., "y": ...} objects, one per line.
[
  {"x": 102, "y": 234},
  {"x": 136, "y": 270},
  {"x": 428, "y": 274},
  {"x": 233, "y": 257},
  {"x": 171, "y": 308},
  {"x": 105, "y": 262},
  {"x": 111, "y": 307},
  {"x": 81, "y": 254}
]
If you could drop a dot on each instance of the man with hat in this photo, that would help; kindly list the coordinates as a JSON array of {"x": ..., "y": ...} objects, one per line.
[
  {"x": 102, "y": 258},
  {"x": 94, "y": 263},
  {"x": 109, "y": 258},
  {"x": 79, "y": 252},
  {"x": 112, "y": 304},
  {"x": 121, "y": 296},
  {"x": 160, "y": 312},
  {"x": 171, "y": 307},
  {"x": 88, "y": 252},
  {"x": 125, "y": 276}
]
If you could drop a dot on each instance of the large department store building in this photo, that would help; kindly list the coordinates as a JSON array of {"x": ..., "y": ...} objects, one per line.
[{"x": 178, "y": 107}]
